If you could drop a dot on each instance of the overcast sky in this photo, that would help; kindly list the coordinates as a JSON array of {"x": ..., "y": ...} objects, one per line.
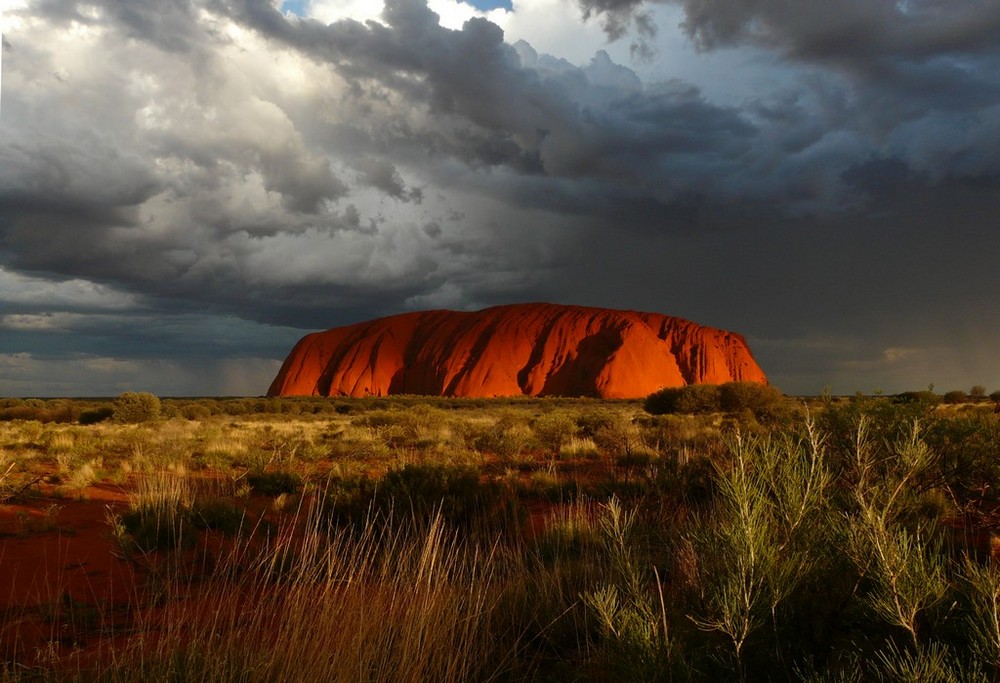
[{"x": 189, "y": 186}]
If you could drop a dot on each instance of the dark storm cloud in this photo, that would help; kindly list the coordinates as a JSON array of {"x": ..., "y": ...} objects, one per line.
[
  {"x": 848, "y": 31},
  {"x": 173, "y": 170}
]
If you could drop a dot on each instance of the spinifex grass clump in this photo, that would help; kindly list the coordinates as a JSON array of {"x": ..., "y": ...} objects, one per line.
[{"x": 159, "y": 514}]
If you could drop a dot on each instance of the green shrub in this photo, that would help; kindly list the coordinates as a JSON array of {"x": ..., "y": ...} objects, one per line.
[
  {"x": 134, "y": 407},
  {"x": 151, "y": 531},
  {"x": 554, "y": 430},
  {"x": 196, "y": 411},
  {"x": 692, "y": 399},
  {"x": 415, "y": 494},
  {"x": 274, "y": 483},
  {"x": 219, "y": 514},
  {"x": 89, "y": 417},
  {"x": 422, "y": 490},
  {"x": 763, "y": 400},
  {"x": 925, "y": 398},
  {"x": 953, "y": 397}
]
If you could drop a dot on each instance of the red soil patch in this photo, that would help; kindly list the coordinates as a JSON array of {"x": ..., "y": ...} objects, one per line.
[
  {"x": 60, "y": 578},
  {"x": 69, "y": 597}
]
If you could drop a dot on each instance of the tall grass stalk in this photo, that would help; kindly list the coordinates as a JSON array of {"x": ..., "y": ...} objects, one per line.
[{"x": 330, "y": 605}]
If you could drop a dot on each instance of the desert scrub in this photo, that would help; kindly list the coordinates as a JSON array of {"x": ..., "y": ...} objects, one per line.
[
  {"x": 636, "y": 641},
  {"x": 579, "y": 448},
  {"x": 133, "y": 407},
  {"x": 507, "y": 438},
  {"x": 274, "y": 483},
  {"x": 760, "y": 541},
  {"x": 553, "y": 430},
  {"x": 902, "y": 558},
  {"x": 159, "y": 515}
]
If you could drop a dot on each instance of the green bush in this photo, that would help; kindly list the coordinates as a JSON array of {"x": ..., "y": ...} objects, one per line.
[
  {"x": 155, "y": 530},
  {"x": 762, "y": 400},
  {"x": 953, "y": 397},
  {"x": 134, "y": 407},
  {"x": 554, "y": 430},
  {"x": 90, "y": 417},
  {"x": 693, "y": 399},
  {"x": 218, "y": 513},
  {"x": 274, "y": 483},
  {"x": 416, "y": 493}
]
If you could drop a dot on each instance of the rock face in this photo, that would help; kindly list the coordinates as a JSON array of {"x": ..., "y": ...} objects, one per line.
[{"x": 522, "y": 349}]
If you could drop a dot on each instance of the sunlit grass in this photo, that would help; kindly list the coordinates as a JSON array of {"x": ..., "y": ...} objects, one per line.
[{"x": 517, "y": 541}]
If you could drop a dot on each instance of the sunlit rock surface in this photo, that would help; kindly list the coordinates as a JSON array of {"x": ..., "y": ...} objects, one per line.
[{"x": 524, "y": 349}]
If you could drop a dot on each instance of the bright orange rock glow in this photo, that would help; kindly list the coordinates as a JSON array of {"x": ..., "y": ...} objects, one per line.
[{"x": 524, "y": 349}]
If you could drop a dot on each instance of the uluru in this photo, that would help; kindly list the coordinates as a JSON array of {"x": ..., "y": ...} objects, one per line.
[{"x": 535, "y": 349}]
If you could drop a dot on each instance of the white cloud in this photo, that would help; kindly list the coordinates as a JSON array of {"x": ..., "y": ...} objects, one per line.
[{"x": 24, "y": 290}]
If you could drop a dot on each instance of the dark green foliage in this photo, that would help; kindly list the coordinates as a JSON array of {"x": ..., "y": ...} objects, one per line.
[
  {"x": 134, "y": 407},
  {"x": 554, "y": 429},
  {"x": 41, "y": 410},
  {"x": 926, "y": 399},
  {"x": 415, "y": 494},
  {"x": 349, "y": 498},
  {"x": 764, "y": 402},
  {"x": 423, "y": 490},
  {"x": 274, "y": 483},
  {"x": 151, "y": 531},
  {"x": 95, "y": 415},
  {"x": 693, "y": 399},
  {"x": 196, "y": 411},
  {"x": 760, "y": 401},
  {"x": 591, "y": 422},
  {"x": 969, "y": 450},
  {"x": 955, "y": 397},
  {"x": 218, "y": 514}
]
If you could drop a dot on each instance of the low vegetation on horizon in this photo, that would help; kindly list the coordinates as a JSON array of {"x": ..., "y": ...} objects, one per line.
[{"x": 705, "y": 533}]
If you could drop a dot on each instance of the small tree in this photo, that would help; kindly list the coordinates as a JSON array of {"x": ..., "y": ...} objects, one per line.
[
  {"x": 693, "y": 399},
  {"x": 953, "y": 397},
  {"x": 978, "y": 391},
  {"x": 133, "y": 407},
  {"x": 763, "y": 400}
]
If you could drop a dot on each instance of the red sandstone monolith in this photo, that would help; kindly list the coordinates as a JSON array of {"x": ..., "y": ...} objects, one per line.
[{"x": 532, "y": 349}]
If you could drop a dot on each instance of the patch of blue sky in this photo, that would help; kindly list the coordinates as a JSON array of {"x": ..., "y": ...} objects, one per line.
[
  {"x": 297, "y": 7},
  {"x": 485, "y": 5}
]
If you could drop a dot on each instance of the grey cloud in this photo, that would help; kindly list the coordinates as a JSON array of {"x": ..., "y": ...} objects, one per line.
[
  {"x": 618, "y": 17},
  {"x": 497, "y": 104},
  {"x": 295, "y": 174},
  {"x": 382, "y": 175},
  {"x": 847, "y": 29}
]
